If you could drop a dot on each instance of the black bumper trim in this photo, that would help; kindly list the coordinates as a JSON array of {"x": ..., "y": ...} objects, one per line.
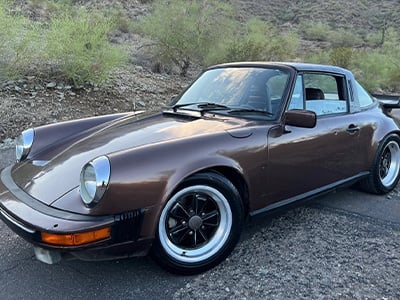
[{"x": 10, "y": 219}]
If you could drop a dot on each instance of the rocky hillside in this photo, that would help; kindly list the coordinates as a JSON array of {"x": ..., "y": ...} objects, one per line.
[
  {"x": 356, "y": 15},
  {"x": 29, "y": 102}
]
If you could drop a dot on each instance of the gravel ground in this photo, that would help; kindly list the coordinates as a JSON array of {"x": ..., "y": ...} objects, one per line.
[{"x": 307, "y": 253}]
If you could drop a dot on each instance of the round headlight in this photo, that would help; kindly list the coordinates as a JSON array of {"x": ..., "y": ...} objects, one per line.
[
  {"x": 95, "y": 176},
  {"x": 23, "y": 144}
]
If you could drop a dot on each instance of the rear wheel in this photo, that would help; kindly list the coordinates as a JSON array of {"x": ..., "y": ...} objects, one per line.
[
  {"x": 385, "y": 172},
  {"x": 199, "y": 226}
]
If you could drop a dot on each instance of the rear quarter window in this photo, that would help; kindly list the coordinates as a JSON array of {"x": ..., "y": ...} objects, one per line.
[{"x": 364, "y": 98}]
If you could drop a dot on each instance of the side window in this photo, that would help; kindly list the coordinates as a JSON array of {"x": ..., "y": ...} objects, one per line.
[
  {"x": 297, "y": 100},
  {"x": 325, "y": 94},
  {"x": 363, "y": 97}
]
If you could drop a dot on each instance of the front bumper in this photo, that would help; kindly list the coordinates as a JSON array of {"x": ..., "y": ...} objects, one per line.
[{"x": 29, "y": 217}]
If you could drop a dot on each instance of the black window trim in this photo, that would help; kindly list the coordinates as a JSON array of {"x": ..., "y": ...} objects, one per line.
[{"x": 344, "y": 89}]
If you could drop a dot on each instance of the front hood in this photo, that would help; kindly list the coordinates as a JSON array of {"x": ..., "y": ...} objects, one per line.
[{"x": 55, "y": 171}]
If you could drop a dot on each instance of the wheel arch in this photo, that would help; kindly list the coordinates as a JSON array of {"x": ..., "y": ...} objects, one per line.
[
  {"x": 380, "y": 139},
  {"x": 374, "y": 183},
  {"x": 238, "y": 180},
  {"x": 231, "y": 173},
  {"x": 383, "y": 130}
]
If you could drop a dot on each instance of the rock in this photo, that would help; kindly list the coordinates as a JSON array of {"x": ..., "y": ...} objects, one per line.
[
  {"x": 51, "y": 85},
  {"x": 60, "y": 94}
]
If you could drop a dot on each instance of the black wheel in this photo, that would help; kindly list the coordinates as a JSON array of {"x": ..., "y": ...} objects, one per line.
[
  {"x": 385, "y": 172},
  {"x": 199, "y": 226}
]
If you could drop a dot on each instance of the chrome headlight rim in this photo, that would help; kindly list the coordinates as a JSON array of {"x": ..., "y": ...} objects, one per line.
[
  {"x": 94, "y": 180},
  {"x": 23, "y": 144}
]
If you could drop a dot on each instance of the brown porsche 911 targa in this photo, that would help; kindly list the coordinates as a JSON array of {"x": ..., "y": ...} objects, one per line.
[{"x": 243, "y": 139}]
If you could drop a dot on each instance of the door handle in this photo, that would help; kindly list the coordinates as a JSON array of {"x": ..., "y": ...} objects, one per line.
[{"x": 353, "y": 128}]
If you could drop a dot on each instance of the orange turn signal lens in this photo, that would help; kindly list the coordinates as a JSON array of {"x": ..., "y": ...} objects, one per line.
[{"x": 76, "y": 239}]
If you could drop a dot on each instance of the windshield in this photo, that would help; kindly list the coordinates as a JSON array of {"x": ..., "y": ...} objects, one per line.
[{"x": 247, "y": 91}]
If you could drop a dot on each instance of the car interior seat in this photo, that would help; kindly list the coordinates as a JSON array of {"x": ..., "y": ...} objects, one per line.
[{"x": 314, "y": 94}]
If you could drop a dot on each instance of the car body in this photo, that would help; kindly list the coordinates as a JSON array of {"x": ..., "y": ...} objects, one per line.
[{"x": 243, "y": 139}]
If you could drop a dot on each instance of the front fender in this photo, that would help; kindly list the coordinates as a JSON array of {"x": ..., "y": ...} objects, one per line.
[{"x": 148, "y": 176}]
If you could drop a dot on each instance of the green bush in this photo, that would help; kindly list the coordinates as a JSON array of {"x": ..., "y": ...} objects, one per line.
[
  {"x": 315, "y": 31},
  {"x": 256, "y": 40},
  {"x": 374, "y": 39},
  {"x": 318, "y": 31},
  {"x": 249, "y": 44},
  {"x": 321, "y": 57},
  {"x": 78, "y": 46},
  {"x": 72, "y": 44},
  {"x": 206, "y": 32},
  {"x": 184, "y": 31},
  {"x": 379, "y": 68},
  {"x": 341, "y": 57},
  {"x": 20, "y": 43},
  {"x": 371, "y": 69},
  {"x": 344, "y": 38}
]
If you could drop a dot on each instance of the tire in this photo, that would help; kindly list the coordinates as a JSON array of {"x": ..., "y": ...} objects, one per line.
[
  {"x": 385, "y": 173},
  {"x": 199, "y": 226}
]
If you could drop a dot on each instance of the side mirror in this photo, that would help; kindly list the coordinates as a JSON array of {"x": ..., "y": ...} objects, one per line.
[{"x": 300, "y": 118}]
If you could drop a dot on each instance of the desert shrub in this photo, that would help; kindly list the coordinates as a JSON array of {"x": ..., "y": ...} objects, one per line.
[
  {"x": 315, "y": 31},
  {"x": 370, "y": 68},
  {"x": 344, "y": 38},
  {"x": 379, "y": 68},
  {"x": 256, "y": 40},
  {"x": 78, "y": 45},
  {"x": 318, "y": 31},
  {"x": 183, "y": 31},
  {"x": 373, "y": 39},
  {"x": 45, "y": 9},
  {"x": 320, "y": 57},
  {"x": 72, "y": 45},
  {"x": 206, "y": 32},
  {"x": 121, "y": 19},
  {"x": 20, "y": 43},
  {"x": 248, "y": 44},
  {"x": 341, "y": 57},
  {"x": 391, "y": 50}
]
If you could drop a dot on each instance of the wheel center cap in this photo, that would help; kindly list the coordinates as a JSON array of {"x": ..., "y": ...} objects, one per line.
[{"x": 195, "y": 222}]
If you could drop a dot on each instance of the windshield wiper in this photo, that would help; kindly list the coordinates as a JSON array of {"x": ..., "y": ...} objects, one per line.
[
  {"x": 250, "y": 110},
  {"x": 177, "y": 106},
  {"x": 211, "y": 106},
  {"x": 203, "y": 106}
]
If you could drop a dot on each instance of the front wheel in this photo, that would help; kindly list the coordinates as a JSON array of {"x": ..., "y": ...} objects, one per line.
[
  {"x": 385, "y": 173},
  {"x": 199, "y": 226}
]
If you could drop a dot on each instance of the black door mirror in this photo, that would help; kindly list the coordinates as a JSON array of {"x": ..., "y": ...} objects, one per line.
[{"x": 300, "y": 118}]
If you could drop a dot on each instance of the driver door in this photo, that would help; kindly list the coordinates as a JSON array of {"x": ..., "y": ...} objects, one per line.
[{"x": 302, "y": 161}]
